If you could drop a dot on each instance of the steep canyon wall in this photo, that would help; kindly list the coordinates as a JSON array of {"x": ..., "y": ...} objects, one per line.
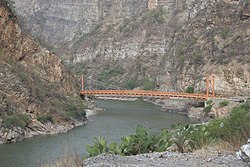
[
  {"x": 168, "y": 46},
  {"x": 37, "y": 94}
]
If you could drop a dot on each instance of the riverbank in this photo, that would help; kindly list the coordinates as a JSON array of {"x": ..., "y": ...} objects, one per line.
[
  {"x": 179, "y": 106},
  {"x": 36, "y": 128},
  {"x": 118, "y": 98}
]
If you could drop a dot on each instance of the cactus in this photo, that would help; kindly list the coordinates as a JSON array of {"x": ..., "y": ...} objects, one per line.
[
  {"x": 145, "y": 142},
  {"x": 140, "y": 142},
  {"x": 99, "y": 147}
]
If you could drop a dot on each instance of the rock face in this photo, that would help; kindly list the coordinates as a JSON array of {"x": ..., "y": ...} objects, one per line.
[
  {"x": 244, "y": 152},
  {"x": 165, "y": 45},
  {"x": 34, "y": 85},
  {"x": 173, "y": 47},
  {"x": 55, "y": 22}
]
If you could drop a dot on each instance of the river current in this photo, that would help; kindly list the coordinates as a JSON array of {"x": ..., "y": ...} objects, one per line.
[{"x": 119, "y": 118}]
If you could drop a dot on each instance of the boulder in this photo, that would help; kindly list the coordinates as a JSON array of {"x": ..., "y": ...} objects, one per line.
[{"x": 244, "y": 152}]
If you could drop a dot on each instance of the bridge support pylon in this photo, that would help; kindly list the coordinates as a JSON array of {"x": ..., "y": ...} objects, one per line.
[
  {"x": 83, "y": 85},
  {"x": 210, "y": 85}
]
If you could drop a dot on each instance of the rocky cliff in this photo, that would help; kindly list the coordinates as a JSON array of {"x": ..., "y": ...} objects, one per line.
[
  {"x": 38, "y": 95},
  {"x": 167, "y": 45},
  {"x": 55, "y": 22}
]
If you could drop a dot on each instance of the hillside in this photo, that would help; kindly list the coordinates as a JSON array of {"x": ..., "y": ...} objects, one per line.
[
  {"x": 167, "y": 45},
  {"x": 173, "y": 48},
  {"x": 38, "y": 95}
]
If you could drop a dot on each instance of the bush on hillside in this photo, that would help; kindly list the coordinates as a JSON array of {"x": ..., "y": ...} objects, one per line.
[
  {"x": 235, "y": 129},
  {"x": 131, "y": 84},
  {"x": 209, "y": 102},
  {"x": 75, "y": 110},
  {"x": 189, "y": 89},
  {"x": 44, "y": 118},
  {"x": 190, "y": 137},
  {"x": 207, "y": 109},
  {"x": 15, "y": 120},
  {"x": 223, "y": 103},
  {"x": 148, "y": 85}
]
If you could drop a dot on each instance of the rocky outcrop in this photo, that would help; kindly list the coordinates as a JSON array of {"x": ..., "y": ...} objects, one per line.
[
  {"x": 244, "y": 152},
  {"x": 34, "y": 85},
  {"x": 55, "y": 22}
]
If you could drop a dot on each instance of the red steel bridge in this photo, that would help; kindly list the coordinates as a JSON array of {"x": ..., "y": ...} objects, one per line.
[{"x": 152, "y": 93}]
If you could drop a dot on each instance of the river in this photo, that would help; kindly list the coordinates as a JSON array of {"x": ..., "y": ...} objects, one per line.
[{"x": 119, "y": 118}]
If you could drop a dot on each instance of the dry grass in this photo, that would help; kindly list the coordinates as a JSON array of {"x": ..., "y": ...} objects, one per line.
[
  {"x": 226, "y": 147},
  {"x": 68, "y": 160},
  {"x": 221, "y": 147}
]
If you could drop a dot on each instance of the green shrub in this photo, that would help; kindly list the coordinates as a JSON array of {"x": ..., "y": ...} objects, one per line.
[
  {"x": 148, "y": 85},
  {"x": 15, "y": 120},
  {"x": 124, "y": 27},
  {"x": 225, "y": 33},
  {"x": 78, "y": 68},
  {"x": 180, "y": 137},
  {"x": 246, "y": 105},
  {"x": 246, "y": 2},
  {"x": 197, "y": 57},
  {"x": 156, "y": 15},
  {"x": 100, "y": 146},
  {"x": 74, "y": 110},
  {"x": 111, "y": 72},
  {"x": 207, "y": 109},
  {"x": 209, "y": 102},
  {"x": 235, "y": 129},
  {"x": 223, "y": 103},
  {"x": 44, "y": 118},
  {"x": 144, "y": 142},
  {"x": 76, "y": 114},
  {"x": 181, "y": 60},
  {"x": 131, "y": 84},
  {"x": 190, "y": 137},
  {"x": 189, "y": 89}
]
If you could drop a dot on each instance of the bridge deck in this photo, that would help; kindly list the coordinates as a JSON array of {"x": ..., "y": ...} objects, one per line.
[{"x": 144, "y": 93}]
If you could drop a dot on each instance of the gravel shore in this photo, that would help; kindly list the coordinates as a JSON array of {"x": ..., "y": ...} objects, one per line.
[{"x": 165, "y": 159}]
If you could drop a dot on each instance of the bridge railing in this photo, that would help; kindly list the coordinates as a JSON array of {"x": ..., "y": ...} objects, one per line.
[{"x": 144, "y": 93}]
